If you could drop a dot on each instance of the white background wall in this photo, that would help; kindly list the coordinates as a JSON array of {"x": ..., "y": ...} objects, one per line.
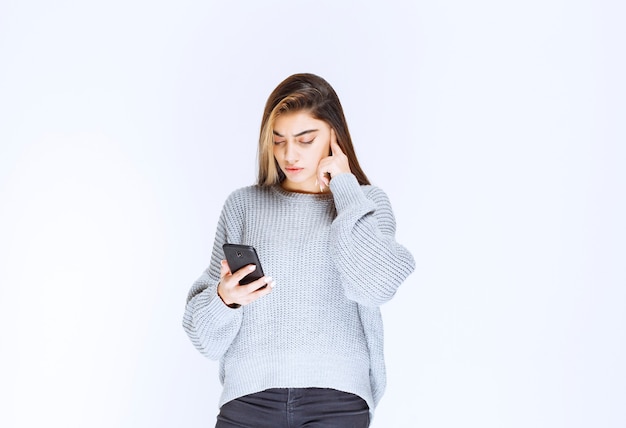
[{"x": 497, "y": 129}]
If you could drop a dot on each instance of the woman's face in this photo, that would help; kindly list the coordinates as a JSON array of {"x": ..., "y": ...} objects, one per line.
[{"x": 300, "y": 143}]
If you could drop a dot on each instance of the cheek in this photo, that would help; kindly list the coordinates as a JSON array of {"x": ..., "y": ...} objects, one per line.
[
  {"x": 319, "y": 155},
  {"x": 325, "y": 150},
  {"x": 326, "y": 146}
]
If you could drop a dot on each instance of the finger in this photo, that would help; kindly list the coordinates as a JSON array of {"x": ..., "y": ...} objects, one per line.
[
  {"x": 333, "y": 137},
  {"x": 258, "y": 288},
  {"x": 241, "y": 273},
  {"x": 326, "y": 179},
  {"x": 322, "y": 170},
  {"x": 335, "y": 149},
  {"x": 259, "y": 283},
  {"x": 318, "y": 184},
  {"x": 262, "y": 291}
]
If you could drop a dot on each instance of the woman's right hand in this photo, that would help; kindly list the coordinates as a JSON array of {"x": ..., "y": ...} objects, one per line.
[{"x": 235, "y": 295}]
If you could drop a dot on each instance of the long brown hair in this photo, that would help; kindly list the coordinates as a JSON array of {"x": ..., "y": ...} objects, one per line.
[{"x": 312, "y": 94}]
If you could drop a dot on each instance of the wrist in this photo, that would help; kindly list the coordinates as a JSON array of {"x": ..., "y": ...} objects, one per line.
[{"x": 230, "y": 305}]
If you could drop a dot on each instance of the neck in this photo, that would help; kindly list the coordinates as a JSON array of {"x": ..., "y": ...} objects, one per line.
[{"x": 303, "y": 187}]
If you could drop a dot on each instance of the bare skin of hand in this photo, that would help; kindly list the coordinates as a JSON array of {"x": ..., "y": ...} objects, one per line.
[
  {"x": 335, "y": 164},
  {"x": 232, "y": 293}
]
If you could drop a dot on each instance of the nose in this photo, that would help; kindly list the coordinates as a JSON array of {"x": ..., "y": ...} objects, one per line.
[{"x": 291, "y": 155}]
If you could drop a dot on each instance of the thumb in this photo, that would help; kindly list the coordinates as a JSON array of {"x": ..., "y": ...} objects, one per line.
[{"x": 224, "y": 269}]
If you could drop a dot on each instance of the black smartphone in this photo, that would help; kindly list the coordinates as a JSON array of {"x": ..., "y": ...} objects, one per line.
[{"x": 238, "y": 256}]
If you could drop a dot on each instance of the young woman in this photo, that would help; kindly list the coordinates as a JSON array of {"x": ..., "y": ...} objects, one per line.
[{"x": 303, "y": 347}]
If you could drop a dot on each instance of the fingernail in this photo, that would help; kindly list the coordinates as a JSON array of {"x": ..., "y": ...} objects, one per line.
[
  {"x": 252, "y": 267},
  {"x": 268, "y": 279},
  {"x": 272, "y": 284}
]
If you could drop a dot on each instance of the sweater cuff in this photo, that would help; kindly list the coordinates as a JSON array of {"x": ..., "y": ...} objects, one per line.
[{"x": 346, "y": 191}]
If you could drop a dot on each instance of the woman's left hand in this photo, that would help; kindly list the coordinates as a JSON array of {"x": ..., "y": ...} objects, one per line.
[{"x": 330, "y": 166}]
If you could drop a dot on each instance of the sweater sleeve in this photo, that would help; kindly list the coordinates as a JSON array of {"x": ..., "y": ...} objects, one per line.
[
  {"x": 209, "y": 323},
  {"x": 372, "y": 265}
]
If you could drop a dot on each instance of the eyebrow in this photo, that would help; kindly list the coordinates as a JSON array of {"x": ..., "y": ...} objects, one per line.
[{"x": 299, "y": 134}]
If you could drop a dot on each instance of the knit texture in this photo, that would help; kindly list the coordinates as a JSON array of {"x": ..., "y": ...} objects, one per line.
[{"x": 335, "y": 261}]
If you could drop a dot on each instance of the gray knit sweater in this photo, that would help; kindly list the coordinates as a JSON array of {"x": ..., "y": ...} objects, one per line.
[{"x": 335, "y": 261}]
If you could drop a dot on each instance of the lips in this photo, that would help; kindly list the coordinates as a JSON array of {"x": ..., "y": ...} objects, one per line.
[{"x": 293, "y": 170}]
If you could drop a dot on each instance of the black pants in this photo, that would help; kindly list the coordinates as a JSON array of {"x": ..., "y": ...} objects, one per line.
[{"x": 295, "y": 408}]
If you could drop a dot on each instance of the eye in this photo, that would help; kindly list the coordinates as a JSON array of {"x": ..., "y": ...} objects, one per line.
[
  {"x": 307, "y": 142},
  {"x": 278, "y": 142}
]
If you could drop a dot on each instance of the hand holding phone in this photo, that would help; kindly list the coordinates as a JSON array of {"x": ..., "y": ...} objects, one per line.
[
  {"x": 241, "y": 278},
  {"x": 239, "y": 256}
]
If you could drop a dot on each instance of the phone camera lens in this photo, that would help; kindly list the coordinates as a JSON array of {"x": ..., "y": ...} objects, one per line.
[{"x": 239, "y": 254}]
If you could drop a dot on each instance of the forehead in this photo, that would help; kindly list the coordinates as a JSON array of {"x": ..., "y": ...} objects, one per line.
[{"x": 293, "y": 123}]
